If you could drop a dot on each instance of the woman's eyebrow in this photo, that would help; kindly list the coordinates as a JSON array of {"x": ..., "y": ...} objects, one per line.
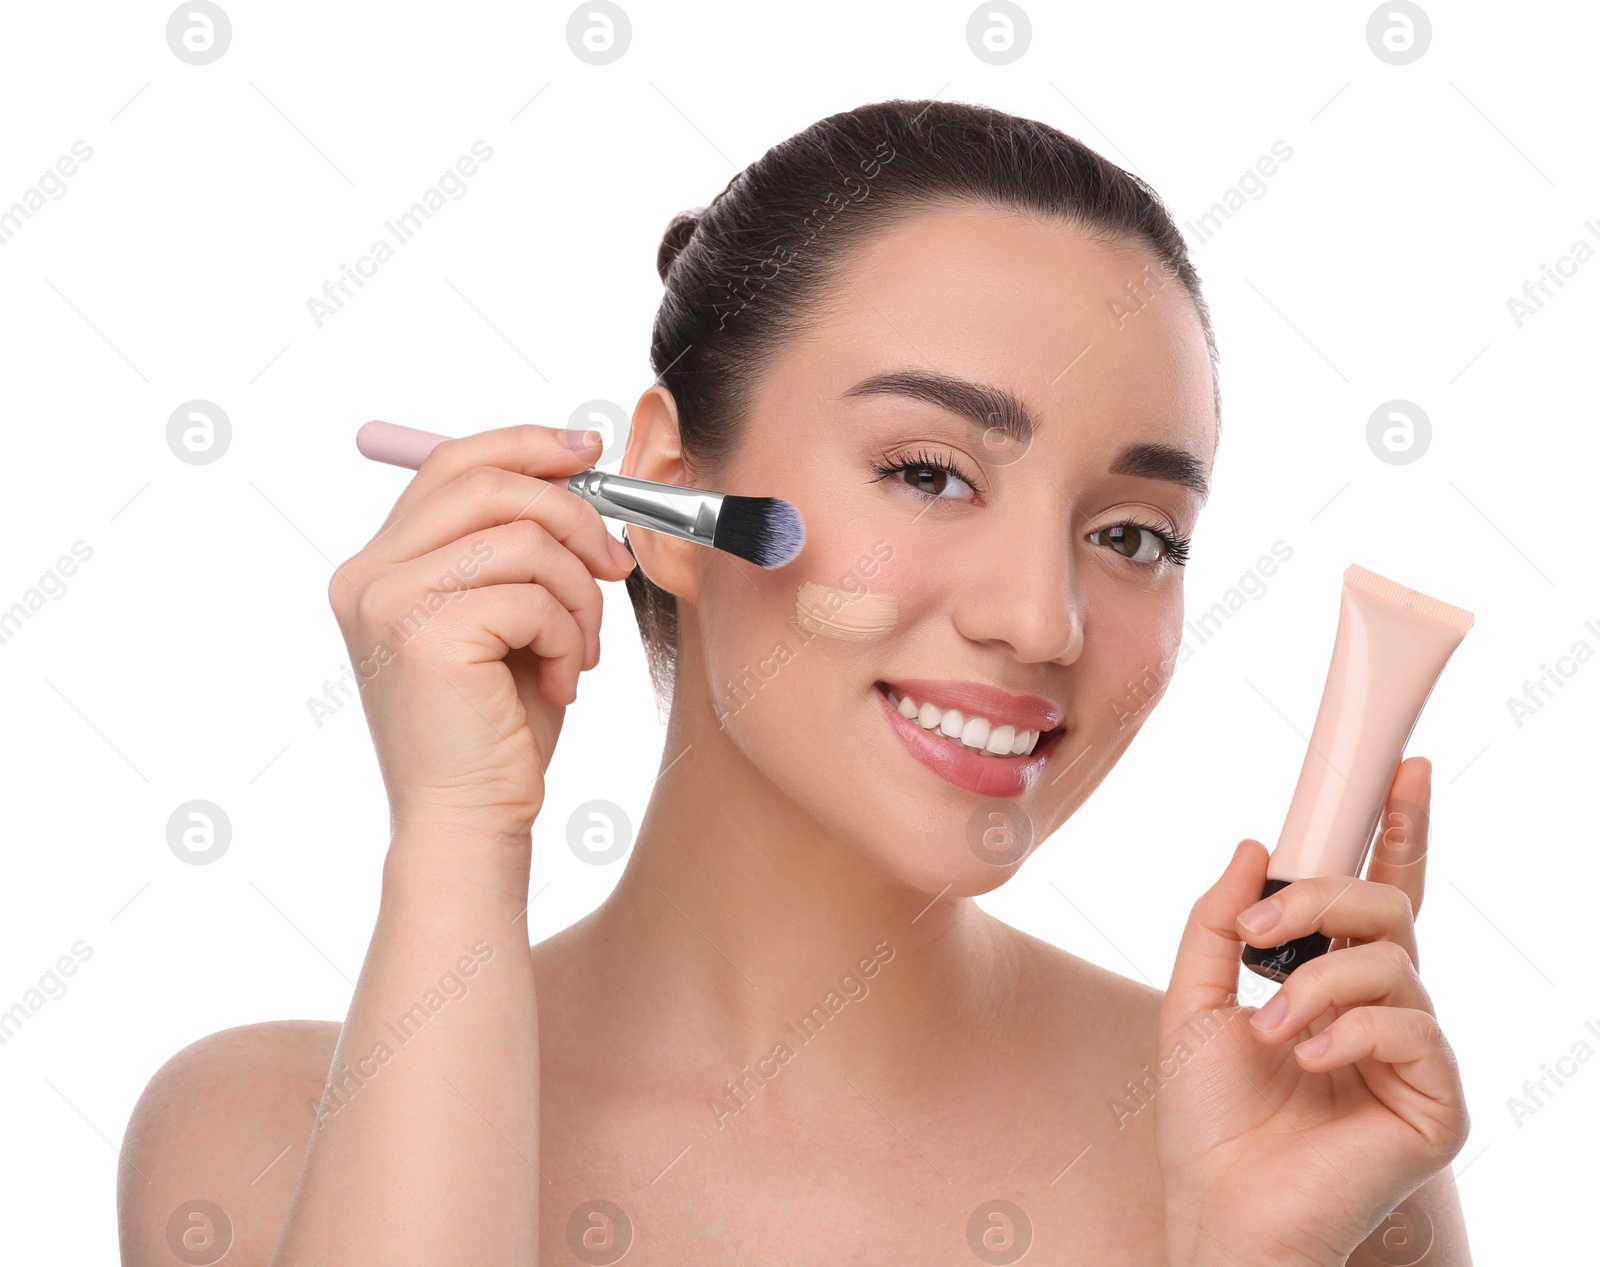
[
  {"x": 986, "y": 406},
  {"x": 982, "y": 404},
  {"x": 1153, "y": 461}
]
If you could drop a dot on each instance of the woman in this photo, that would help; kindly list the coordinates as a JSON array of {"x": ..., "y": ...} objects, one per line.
[{"x": 975, "y": 356}]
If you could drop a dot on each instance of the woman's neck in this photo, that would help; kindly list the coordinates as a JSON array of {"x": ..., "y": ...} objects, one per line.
[{"x": 738, "y": 917}]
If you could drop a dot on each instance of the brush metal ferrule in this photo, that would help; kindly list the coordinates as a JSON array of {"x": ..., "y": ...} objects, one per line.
[{"x": 689, "y": 513}]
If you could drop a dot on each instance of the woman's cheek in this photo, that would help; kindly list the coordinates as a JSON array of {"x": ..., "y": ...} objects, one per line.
[
  {"x": 865, "y": 594},
  {"x": 742, "y": 625},
  {"x": 1142, "y": 678},
  {"x": 858, "y": 605},
  {"x": 808, "y": 638}
]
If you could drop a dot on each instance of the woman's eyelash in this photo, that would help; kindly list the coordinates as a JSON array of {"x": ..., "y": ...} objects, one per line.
[
  {"x": 921, "y": 460},
  {"x": 1174, "y": 546}
]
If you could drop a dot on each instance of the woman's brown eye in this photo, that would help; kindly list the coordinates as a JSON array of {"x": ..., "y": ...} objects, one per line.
[
  {"x": 930, "y": 479},
  {"x": 1130, "y": 541},
  {"x": 936, "y": 481},
  {"x": 925, "y": 479}
]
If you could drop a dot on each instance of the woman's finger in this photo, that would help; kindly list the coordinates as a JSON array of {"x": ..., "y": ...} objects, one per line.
[
  {"x": 485, "y": 496},
  {"x": 1400, "y": 852},
  {"x": 526, "y": 615},
  {"x": 510, "y": 553},
  {"x": 1379, "y": 972},
  {"x": 1205, "y": 974},
  {"x": 1408, "y": 1039},
  {"x": 526, "y": 448},
  {"x": 1400, "y": 849},
  {"x": 1338, "y": 906}
]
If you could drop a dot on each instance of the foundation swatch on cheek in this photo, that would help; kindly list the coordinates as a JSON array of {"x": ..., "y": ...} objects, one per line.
[{"x": 836, "y": 613}]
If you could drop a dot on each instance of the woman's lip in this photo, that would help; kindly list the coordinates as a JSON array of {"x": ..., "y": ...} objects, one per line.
[
  {"x": 1025, "y": 712},
  {"x": 981, "y": 775}
]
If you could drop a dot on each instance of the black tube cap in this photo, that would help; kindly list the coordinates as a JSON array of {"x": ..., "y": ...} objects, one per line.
[{"x": 1277, "y": 962}]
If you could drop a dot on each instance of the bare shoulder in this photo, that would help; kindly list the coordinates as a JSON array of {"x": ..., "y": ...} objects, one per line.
[
  {"x": 1084, "y": 1040},
  {"x": 214, "y": 1144},
  {"x": 1065, "y": 993}
]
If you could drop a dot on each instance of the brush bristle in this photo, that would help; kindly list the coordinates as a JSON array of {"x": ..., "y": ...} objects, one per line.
[{"x": 766, "y": 530}]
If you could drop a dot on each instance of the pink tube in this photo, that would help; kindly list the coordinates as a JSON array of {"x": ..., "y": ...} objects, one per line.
[{"x": 1391, "y": 646}]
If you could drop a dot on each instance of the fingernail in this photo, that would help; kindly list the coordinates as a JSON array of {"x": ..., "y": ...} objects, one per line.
[
  {"x": 622, "y": 554},
  {"x": 1262, "y": 916},
  {"x": 1275, "y": 1010},
  {"x": 592, "y": 437},
  {"x": 1314, "y": 1047}
]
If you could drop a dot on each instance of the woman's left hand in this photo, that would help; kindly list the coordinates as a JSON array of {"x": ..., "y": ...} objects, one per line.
[{"x": 1290, "y": 1131}]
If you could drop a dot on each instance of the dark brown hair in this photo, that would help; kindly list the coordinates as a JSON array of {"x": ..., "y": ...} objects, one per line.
[{"x": 750, "y": 271}]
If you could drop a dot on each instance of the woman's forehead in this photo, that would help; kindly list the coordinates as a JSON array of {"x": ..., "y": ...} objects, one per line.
[{"x": 1065, "y": 322}]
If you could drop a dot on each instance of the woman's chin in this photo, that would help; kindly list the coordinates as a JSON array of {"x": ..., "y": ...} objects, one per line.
[{"x": 947, "y": 845}]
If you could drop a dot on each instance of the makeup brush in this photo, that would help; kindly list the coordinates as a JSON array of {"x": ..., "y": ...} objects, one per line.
[{"x": 767, "y": 531}]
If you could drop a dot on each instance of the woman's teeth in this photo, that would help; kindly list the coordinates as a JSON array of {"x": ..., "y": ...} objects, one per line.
[{"x": 978, "y": 734}]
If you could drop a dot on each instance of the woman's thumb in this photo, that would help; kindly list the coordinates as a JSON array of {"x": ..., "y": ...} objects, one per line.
[{"x": 1205, "y": 974}]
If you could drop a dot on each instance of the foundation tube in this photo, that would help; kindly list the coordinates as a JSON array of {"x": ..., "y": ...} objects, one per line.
[{"x": 1390, "y": 648}]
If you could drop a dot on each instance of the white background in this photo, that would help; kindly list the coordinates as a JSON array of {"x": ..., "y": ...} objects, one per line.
[{"x": 179, "y": 661}]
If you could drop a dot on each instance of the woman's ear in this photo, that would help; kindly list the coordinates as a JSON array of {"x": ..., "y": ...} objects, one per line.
[{"x": 655, "y": 452}]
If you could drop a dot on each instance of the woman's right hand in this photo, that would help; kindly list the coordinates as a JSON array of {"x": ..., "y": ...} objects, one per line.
[{"x": 468, "y": 619}]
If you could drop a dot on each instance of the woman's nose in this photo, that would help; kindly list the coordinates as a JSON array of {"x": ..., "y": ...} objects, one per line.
[{"x": 1025, "y": 595}]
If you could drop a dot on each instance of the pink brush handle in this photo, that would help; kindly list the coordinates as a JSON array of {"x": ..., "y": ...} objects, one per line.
[{"x": 403, "y": 446}]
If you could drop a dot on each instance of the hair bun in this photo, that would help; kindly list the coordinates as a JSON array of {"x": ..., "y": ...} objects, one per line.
[{"x": 676, "y": 238}]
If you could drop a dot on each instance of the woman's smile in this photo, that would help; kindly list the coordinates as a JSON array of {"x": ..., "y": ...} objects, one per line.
[{"x": 989, "y": 753}]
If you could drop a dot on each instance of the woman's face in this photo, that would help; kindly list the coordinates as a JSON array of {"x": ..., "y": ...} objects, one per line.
[{"x": 1017, "y": 578}]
